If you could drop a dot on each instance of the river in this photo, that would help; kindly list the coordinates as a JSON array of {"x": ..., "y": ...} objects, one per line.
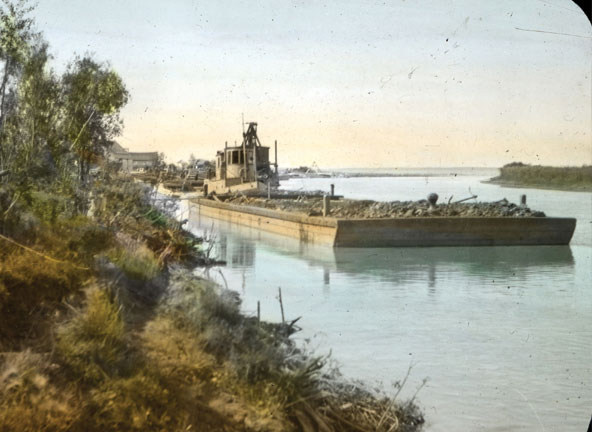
[{"x": 503, "y": 335}]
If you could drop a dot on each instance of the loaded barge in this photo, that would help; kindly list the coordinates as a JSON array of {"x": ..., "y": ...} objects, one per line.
[
  {"x": 246, "y": 171},
  {"x": 395, "y": 232}
]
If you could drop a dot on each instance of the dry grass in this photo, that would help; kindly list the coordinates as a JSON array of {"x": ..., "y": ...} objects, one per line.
[
  {"x": 29, "y": 401},
  {"x": 93, "y": 343},
  {"x": 30, "y": 288},
  {"x": 138, "y": 262}
]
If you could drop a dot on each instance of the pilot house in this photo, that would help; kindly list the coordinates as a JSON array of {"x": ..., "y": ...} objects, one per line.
[{"x": 245, "y": 168}]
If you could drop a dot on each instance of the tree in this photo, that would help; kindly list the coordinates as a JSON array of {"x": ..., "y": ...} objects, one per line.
[
  {"x": 93, "y": 96},
  {"x": 16, "y": 33},
  {"x": 32, "y": 143}
]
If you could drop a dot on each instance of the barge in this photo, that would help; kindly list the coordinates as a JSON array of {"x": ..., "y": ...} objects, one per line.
[
  {"x": 394, "y": 232},
  {"x": 246, "y": 170}
]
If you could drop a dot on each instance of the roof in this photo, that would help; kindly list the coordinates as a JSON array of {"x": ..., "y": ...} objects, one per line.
[
  {"x": 146, "y": 156},
  {"x": 116, "y": 148}
]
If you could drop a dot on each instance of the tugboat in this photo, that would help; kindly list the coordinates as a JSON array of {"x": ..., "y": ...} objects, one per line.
[{"x": 245, "y": 168}]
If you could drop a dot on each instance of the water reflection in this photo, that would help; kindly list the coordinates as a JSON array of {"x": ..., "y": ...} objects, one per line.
[
  {"x": 406, "y": 264},
  {"x": 237, "y": 245},
  {"x": 236, "y": 254}
]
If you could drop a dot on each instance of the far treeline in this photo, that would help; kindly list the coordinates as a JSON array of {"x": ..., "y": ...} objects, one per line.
[{"x": 546, "y": 177}]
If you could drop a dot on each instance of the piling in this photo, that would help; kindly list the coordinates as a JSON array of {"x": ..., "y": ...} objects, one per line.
[
  {"x": 326, "y": 205},
  {"x": 332, "y": 190},
  {"x": 523, "y": 200},
  {"x": 281, "y": 304}
]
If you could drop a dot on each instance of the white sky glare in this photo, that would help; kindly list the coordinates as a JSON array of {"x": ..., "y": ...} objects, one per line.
[{"x": 345, "y": 83}]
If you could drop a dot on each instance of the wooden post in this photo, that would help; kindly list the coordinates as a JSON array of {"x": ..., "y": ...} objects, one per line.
[
  {"x": 326, "y": 205},
  {"x": 258, "y": 312},
  {"x": 281, "y": 304},
  {"x": 523, "y": 200},
  {"x": 332, "y": 190}
]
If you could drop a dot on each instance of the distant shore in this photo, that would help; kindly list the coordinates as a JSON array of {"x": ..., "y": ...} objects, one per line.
[
  {"x": 518, "y": 185},
  {"x": 517, "y": 175},
  {"x": 304, "y": 172}
]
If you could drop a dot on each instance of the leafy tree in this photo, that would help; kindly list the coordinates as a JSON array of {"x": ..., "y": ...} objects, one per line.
[
  {"x": 93, "y": 95},
  {"x": 16, "y": 33},
  {"x": 32, "y": 143}
]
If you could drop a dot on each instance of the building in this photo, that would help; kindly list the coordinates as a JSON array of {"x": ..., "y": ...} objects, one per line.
[{"x": 132, "y": 161}]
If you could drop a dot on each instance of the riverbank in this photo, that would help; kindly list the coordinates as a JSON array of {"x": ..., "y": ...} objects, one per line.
[
  {"x": 105, "y": 327},
  {"x": 516, "y": 175}
]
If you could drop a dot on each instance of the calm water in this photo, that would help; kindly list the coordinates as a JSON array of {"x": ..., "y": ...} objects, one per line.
[{"x": 503, "y": 334}]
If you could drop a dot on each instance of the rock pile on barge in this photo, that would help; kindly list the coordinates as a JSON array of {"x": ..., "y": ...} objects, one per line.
[{"x": 368, "y": 209}]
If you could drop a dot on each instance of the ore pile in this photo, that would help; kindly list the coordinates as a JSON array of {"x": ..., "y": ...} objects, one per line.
[{"x": 367, "y": 209}]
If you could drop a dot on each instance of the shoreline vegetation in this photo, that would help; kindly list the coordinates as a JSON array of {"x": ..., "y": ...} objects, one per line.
[
  {"x": 517, "y": 174},
  {"x": 105, "y": 325}
]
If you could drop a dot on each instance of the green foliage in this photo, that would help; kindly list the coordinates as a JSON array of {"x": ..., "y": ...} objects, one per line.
[
  {"x": 51, "y": 128},
  {"x": 573, "y": 178},
  {"x": 49, "y": 206},
  {"x": 15, "y": 31},
  {"x": 93, "y": 96},
  {"x": 33, "y": 129}
]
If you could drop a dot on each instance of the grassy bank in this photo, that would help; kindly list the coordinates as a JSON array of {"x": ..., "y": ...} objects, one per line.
[
  {"x": 105, "y": 327},
  {"x": 545, "y": 177}
]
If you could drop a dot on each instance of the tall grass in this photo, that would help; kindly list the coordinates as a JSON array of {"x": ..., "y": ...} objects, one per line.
[{"x": 93, "y": 343}]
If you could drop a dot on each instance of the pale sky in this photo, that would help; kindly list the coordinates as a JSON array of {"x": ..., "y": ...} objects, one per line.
[{"x": 401, "y": 83}]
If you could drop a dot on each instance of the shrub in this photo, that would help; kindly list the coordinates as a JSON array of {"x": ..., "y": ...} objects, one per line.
[{"x": 137, "y": 262}]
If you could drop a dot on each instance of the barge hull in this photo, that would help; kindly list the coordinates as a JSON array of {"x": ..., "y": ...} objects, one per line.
[
  {"x": 458, "y": 231},
  {"x": 396, "y": 232}
]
